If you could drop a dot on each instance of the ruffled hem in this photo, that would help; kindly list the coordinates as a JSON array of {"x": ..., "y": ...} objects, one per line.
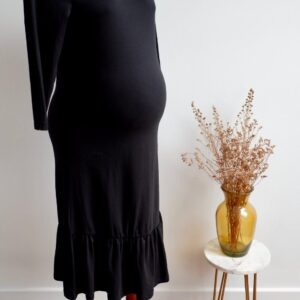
[{"x": 87, "y": 263}]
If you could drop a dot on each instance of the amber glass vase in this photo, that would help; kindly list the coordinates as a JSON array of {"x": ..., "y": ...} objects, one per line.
[{"x": 235, "y": 222}]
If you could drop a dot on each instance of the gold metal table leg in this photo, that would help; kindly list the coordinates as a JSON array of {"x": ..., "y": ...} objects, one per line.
[
  {"x": 222, "y": 287},
  {"x": 215, "y": 284},
  {"x": 246, "y": 286},
  {"x": 254, "y": 286}
]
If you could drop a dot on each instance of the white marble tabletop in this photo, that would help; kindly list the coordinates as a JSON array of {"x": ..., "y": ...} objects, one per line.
[{"x": 257, "y": 258}]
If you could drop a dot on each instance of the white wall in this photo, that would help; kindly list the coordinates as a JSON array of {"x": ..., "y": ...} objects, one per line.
[{"x": 211, "y": 52}]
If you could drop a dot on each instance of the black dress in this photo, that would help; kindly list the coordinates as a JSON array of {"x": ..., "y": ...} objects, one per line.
[{"x": 97, "y": 87}]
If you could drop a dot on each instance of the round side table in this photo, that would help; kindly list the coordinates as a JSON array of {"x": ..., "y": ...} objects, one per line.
[{"x": 257, "y": 258}]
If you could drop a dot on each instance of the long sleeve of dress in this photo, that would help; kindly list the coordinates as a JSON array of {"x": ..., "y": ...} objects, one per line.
[{"x": 45, "y": 23}]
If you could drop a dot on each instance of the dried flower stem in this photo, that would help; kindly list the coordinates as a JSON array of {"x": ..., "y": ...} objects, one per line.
[{"x": 234, "y": 163}]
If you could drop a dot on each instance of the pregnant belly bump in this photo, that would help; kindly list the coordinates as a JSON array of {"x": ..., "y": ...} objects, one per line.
[{"x": 135, "y": 101}]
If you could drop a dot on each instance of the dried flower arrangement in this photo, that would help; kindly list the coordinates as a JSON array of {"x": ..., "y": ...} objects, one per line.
[
  {"x": 235, "y": 163},
  {"x": 232, "y": 161}
]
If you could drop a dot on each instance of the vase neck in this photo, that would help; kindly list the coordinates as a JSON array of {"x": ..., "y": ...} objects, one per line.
[{"x": 236, "y": 198}]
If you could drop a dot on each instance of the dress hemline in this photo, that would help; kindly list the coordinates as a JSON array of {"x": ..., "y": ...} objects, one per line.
[{"x": 117, "y": 266}]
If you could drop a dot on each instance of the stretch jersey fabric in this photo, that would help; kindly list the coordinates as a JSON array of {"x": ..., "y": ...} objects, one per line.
[{"x": 98, "y": 89}]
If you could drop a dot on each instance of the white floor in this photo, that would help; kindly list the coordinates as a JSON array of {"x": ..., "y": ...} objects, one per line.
[{"x": 205, "y": 294}]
